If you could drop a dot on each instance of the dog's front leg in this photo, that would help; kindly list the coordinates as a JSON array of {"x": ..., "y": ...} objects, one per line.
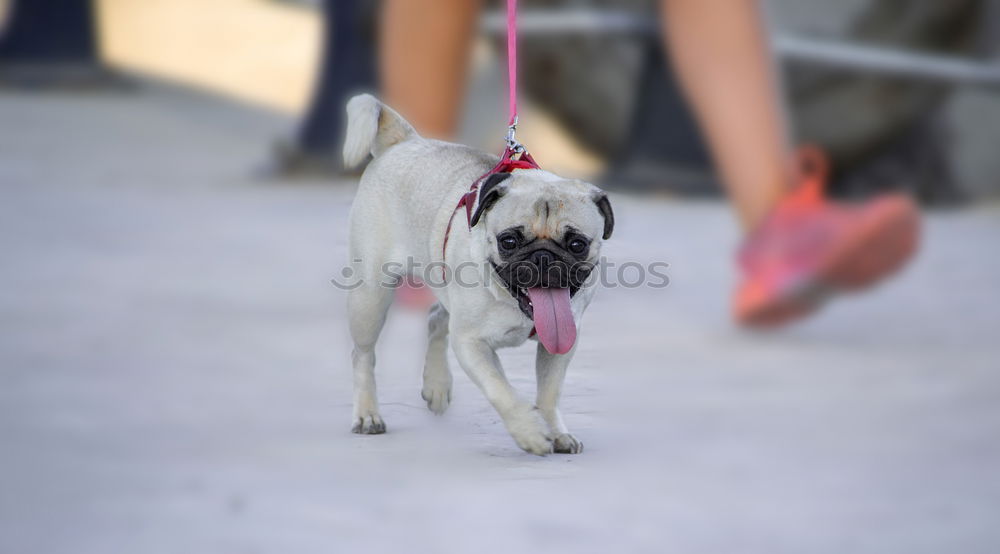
[
  {"x": 550, "y": 370},
  {"x": 522, "y": 420}
]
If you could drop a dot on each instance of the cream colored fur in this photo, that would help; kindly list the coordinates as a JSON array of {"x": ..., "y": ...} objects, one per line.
[{"x": 405, "y": 200}]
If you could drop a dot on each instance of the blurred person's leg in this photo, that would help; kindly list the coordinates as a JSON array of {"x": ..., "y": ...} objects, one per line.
[
  {"x": 49, "y": 31},
  {"x": 800, "y": 247},
  {"x": 424, "y": 49},
  {"x": 346, "y": 67},
  {"x": 53, "y": 44},
  {"x": 720, "y": 52}
]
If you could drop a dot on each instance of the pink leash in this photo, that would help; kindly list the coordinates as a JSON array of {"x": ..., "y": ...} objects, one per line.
[
  {"x": 514, "y": 155},
  {"x": 512, "y": 59}
]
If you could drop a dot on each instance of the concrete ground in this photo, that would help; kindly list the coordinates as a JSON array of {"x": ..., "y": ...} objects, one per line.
[{"x": 174, "y": 376}]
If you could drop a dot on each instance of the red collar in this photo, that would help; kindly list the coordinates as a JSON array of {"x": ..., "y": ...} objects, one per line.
[{"x": 506, "y": 164}]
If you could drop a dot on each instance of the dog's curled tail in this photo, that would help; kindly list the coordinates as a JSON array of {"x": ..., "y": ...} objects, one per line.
[{"x": 372, "y": 127}]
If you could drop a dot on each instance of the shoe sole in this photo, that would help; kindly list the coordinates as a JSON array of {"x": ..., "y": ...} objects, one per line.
[{"x": 878, "y": 248}]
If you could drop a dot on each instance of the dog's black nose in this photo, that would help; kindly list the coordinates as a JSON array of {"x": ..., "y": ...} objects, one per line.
[
  {"x": 543, "y": 259},
  {"x": 541, "y": 268},
  {"x": 552, "y": 271}
]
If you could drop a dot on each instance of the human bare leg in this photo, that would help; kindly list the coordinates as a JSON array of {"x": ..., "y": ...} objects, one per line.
[
  {"x": 720, "y": 52},
  {"x": 424, "y": 49}
]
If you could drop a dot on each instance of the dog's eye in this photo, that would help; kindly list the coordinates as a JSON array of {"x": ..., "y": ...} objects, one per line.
[
  {"x": 507, "y": 242},
  {"x": 577, "y": 246}
]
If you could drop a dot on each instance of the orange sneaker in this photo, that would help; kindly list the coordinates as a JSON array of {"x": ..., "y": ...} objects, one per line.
[
  {"x": 413, "y": 294},
  {"x": 809, "y": 248}
]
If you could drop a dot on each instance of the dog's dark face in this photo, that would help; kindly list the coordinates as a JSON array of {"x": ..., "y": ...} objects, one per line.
[
  {"x": 527, "y": 261},
  {"x": 542, "y": 234}
]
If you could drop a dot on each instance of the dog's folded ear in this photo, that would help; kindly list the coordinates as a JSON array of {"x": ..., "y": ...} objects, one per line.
[
  {"x": 490, "y": 190},
  {"x": 604, "y": 206}
]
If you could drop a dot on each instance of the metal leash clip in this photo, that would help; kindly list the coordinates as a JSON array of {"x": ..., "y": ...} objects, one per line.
[{"x": 516, "y": 148}]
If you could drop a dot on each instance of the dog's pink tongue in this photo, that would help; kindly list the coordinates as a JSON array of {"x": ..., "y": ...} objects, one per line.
[{"x": 553, "y": 318}]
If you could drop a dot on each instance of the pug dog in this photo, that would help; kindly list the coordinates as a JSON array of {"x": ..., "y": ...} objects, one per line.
[{"x": 533, "y": 239}]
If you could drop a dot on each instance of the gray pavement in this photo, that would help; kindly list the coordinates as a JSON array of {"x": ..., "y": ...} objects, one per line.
[{"x": 174, "y": 376}]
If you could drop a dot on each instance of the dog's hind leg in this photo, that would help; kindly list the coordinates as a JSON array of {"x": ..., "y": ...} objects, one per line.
[
  {"x": 366, "y": 310},
  {"x": 437, "y": 376}
]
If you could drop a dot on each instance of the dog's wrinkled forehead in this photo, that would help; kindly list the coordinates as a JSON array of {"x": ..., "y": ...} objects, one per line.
[{"x": 545, "y": 206}]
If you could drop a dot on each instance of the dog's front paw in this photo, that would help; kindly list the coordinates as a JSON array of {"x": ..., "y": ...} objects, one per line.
[
  {"x": 371, "y": 424},
  {"x": 437, "y": 395},
  {"x": 567, "y": 444},
  {"x": 529, "y": 430}
]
